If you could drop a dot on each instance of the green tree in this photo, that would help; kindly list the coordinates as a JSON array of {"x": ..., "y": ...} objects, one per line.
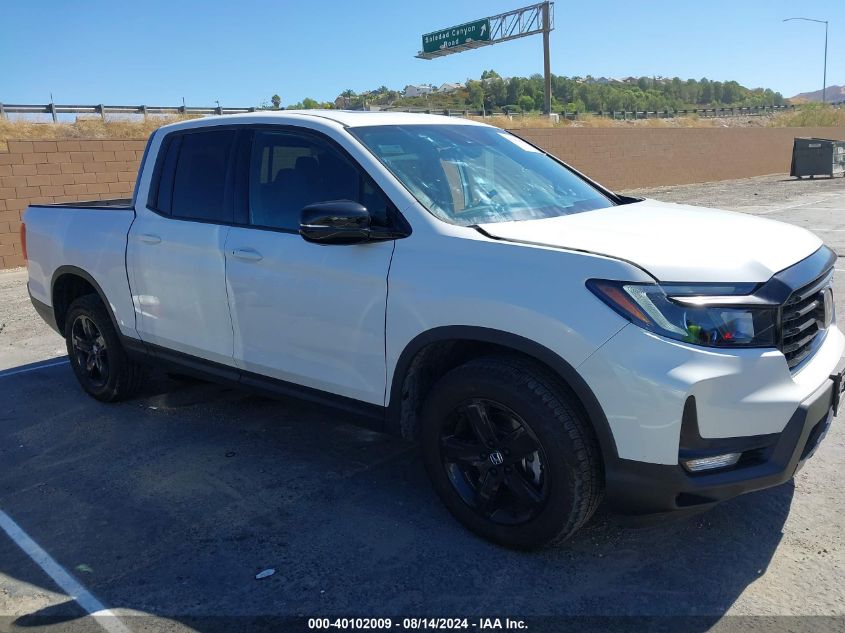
[
  {"x": 276, "y": 100},
  {"x": 496, "y": 93},
  {"x": 705, "y": 94},
  {"x": 476, "y": 94},
  {"x": 525, "y": 103},
  {"x": 646, "y": 93},
  {"x": 310, "y": 104}
]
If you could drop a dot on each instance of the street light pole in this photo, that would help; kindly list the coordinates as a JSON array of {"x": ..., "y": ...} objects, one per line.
[
  {"x": 824, "y": 84},
  {"x": 824, "y": 81}
]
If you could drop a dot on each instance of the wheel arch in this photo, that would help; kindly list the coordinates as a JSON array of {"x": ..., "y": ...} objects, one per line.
[
  {"x": 438, "y": 350},
  {"x": 68, "y": 284}
]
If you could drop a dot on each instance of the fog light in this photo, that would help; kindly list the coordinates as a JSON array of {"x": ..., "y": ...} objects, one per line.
[{"x": 709, "y": 463}]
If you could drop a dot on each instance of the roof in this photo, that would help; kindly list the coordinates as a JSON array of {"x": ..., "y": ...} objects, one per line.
[{"x": 346, "y": 118}]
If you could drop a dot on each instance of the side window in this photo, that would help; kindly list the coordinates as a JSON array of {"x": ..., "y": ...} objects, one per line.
[
  {"x": 288, "y": 172},
  {"x": 200, "y": 176},
  {"x": 165, "y": 170}
]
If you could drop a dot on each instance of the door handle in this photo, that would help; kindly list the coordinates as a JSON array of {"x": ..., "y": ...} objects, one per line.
[
  {"x": 247, "y": 255},
  {"x": 149, "y": 238}
]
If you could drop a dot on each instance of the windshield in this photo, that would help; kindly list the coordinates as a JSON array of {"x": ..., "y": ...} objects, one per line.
[{"x": 466, "y": 174}]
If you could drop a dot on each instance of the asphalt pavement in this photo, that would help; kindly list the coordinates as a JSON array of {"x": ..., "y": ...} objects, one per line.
[{"x": 164, "y": 509}]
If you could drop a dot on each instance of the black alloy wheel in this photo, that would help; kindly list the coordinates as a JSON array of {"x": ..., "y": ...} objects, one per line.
[
  {"x": 509, "y": 452},
  {"x": 96, "y": 353},
  {"x": 91, "y": 350},
  {"x": 494, "y": 461}
]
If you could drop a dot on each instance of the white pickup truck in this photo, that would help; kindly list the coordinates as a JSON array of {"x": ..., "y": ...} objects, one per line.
[{"x": 547, "y": 341}]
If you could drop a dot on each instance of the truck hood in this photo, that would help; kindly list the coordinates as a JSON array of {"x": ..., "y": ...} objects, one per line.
[{"x": 672, "y": 242}]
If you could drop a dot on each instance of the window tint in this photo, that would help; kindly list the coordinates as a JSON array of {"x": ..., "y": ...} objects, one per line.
[
  {"x": 288, "y": 172},
  {"x": 166, "y": 169},
  {"x": 199, "y": 180}
]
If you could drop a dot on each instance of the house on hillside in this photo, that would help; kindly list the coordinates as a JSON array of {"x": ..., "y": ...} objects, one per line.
[
  {"x": 412, "y": 90},
  {"x": 608, "y": 81},
  {"x": 450, "y": 87}
]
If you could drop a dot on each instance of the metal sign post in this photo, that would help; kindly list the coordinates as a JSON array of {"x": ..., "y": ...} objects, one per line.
[{"x": 537, "y": 18}]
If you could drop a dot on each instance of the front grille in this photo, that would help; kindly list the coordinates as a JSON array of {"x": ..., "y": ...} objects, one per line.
[{"x": 802, "y": 320}]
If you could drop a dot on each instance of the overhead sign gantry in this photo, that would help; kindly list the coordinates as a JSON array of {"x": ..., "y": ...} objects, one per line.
[{"x": 532, "y": 20}]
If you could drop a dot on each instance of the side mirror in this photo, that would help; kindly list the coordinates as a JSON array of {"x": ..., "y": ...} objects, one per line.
[{"x": 335, "y": 222}]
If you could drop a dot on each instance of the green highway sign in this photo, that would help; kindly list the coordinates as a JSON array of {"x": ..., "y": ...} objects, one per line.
[{"x": 477, "y": 31}]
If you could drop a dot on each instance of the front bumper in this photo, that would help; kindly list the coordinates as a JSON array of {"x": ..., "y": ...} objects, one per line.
[{"x": 635, "y": 487}]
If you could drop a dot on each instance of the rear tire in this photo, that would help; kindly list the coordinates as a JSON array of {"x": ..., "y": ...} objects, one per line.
[
  {"x": 96, "y": 355},
  {"x": 533, "y": 474}
]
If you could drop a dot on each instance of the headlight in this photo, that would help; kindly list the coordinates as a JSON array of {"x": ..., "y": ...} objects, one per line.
[{"x": 714, "y": 315}]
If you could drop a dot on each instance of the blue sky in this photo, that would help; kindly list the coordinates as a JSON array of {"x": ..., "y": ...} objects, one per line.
[{"x": 157, "y": 52}]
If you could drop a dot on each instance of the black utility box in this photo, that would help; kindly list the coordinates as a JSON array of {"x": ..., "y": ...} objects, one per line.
[{"x": 817, "y": 157}]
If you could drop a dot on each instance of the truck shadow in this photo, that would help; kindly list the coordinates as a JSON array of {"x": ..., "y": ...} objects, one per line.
[{"x": 177, "y": 500}]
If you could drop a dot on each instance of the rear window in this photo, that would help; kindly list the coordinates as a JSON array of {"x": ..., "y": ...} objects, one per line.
[{"x": 192, "y": 178}]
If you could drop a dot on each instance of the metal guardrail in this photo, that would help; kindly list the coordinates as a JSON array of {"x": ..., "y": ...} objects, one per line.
[
  {"x": 627, "y": 114},
  {"x": 102, "y": 110}
]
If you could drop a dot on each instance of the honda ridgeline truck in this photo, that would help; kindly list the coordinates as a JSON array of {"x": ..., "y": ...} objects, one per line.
[{"x": 548, "y": 342}]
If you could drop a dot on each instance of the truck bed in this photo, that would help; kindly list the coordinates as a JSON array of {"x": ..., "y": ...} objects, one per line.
[{"x": 82, "y": 236}]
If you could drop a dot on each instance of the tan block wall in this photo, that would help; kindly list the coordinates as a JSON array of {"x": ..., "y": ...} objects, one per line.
[
  {"x": 629, "y": 158},
  {"x": 41, "y": 172}
]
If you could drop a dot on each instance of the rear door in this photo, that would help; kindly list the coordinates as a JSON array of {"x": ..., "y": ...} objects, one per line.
[
  {"x": 175, "y": 248},
  {"x": 307, "y": 313}
]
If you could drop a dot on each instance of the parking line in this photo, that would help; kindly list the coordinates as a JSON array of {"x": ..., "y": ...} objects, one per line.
[
  {"x": 104, "y": 617},
  {"x": 13, "y": 372}
]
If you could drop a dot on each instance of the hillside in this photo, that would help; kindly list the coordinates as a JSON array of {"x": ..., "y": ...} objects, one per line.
[
  {"x": 494, "y": 93},
  {"x": 834, "y": 94}
]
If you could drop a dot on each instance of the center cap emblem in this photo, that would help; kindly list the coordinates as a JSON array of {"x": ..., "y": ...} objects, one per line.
[{"x": 496, "y": 458}]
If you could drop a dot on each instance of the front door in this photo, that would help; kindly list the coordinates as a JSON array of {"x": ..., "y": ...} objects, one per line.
[{"x": 306, "y": 313}]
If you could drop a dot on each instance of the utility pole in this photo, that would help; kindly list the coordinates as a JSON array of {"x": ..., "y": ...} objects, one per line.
[{"x": 547, "y": 72}]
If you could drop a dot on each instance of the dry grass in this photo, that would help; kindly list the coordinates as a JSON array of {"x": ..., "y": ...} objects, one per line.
[
  {"x": 89, "y": 128},
  {"x": 811, "y": 115},
  {"x": 516, "y": 121}
]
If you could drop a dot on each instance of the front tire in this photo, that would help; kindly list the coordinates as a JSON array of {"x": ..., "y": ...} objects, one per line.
[
  {"x": 98, "y": 359},
  {"x": 509, "y": 454}
]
